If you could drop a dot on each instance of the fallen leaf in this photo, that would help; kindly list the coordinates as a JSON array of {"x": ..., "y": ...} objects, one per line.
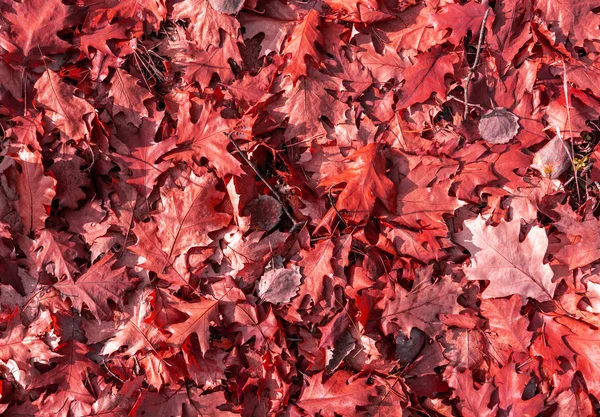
[
  {"x": 279, "y": 286},
  {"x": 498, "y": 126}
]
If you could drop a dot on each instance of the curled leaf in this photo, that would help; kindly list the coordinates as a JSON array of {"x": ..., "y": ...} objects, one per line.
[
  {"x": 498, "y": 126},
  {"x": 553, "y": 159}
]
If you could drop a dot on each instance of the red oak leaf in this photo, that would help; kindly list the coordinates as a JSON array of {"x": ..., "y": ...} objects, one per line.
[
  {"x": 70, "y": 177},
  {"x": 22, "y": 345},
  {"x": 364, "y": 181},
  {"x": 35, "y": 189},
  {"x": 199, "y": 66},
  {"x": 573, "y": 20},
  {"x": 302, "y": 43},
  {"x": 275, "y": 30},
  {"x": 316, "y": 264},
  {"x": 98, "y": 285},
  {"x": 508, "y": 328},
  {"x": 128, "y": 97},
  {"x": 137, "y": 332},
  {"x": 426, "y": 77},
  {"x": 581, "y": 246},
  {"x": 170, "y": 403},
  {"x": 203, "y": 133},
  {"x": 335, "y": 395},
  {"x": 422, "y": 199},
  {"x": 200, "y": 315},
  {"x": 69, "y": 375},
  {"x": 306, "y": 101},
  {"x": 140, "y": 156},
  {"x": 575, "y": 401},
  {"x": 511, "y": 386},
  {"x": 586, "y": 345},
  {"x": 460, "y": 19},
  {"x": 511, "y": 266},
  {"x": 188, "y": 213},
  {"x": 419, "y": 307},
  {"x": 62, "y": 108},
  {"x": 205, "y": 22},
  {"x": 31, "y": 28},
  {"x": 472, "y": 402}
]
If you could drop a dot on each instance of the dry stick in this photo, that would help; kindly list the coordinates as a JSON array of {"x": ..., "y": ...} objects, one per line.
[
  {"x": 475, "y": 63},
  {"x": 335, "y": 208},
  {"x": 274, "y": 191},
  {"x": 572, "y": 154}
]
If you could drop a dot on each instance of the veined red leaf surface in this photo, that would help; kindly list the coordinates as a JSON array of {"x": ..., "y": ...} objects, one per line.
[{"x": 291, "y": 208}]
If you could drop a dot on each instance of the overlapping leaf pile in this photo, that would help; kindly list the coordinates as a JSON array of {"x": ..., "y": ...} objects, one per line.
[{"x": 219, "y": 207}]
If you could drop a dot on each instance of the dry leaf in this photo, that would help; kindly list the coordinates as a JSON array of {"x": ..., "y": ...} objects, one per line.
[
  {"x": 279, "y": 286},
  {"x": 498, "y": 126},
  {"x": 553, "y": 159}
]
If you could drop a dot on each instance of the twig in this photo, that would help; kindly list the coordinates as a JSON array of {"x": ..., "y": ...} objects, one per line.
[
  {"x": 475, "y": 63},
  {"x": 335, "y": 208},
  {"x": 572, "y": 153},
  {"x": 296, "y": 224}
]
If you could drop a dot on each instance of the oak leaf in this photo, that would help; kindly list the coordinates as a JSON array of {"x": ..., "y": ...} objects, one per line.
[
  {"x": 335, "y": 395},
  {"x": 306, "y": 101},
  {"x": 508, "y": 328},
  {"x": 461, "y": 19},
  {"x": 472, "y": 402},
  {"x": 581, "y": 246},
  {"x": 31, "y": 27},
  {"x": 22, "y": 345},
  {"x": 188, "y": 212},
  {"x": 364, "y": 181},
  {"x": 426, "y": 77},
  {"x": 419, "y": 307},
  {"x": 205, "y": 22},
  {"x": 70, "y": 178},
  {"x": 63, "y": 109},
  {"x": 140, "y": 156},
  {"x": 302, "y": 43},
  {"x": 511, "y": 266},
  {"x": 316, "y": 264},
  {"x": 200, "y": 315},
  {"x": 128, "y": 97},
  {"x": 201, "y": 133},
  {"x": 98, "y": 285},
  {"x": 36, "y": 190}
]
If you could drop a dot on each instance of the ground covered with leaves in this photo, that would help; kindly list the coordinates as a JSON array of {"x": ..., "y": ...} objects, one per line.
[{"x": 320, "y": 208}]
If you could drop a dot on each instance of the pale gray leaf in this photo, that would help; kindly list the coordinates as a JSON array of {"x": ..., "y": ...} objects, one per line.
[{"x": 279, "y": 286}]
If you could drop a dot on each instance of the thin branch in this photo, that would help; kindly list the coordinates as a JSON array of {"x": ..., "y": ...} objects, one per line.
[
  {"x": 335, "y": 208},
  {"x": 572, "y": 153},
  {"x": 296, "y": 224},
  {"x": 475, "y": 63}
]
